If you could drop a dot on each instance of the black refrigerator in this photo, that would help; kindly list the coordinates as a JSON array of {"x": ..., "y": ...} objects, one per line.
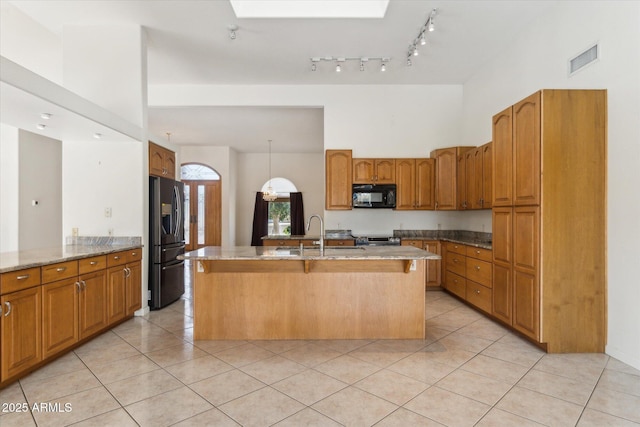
[{"x": 166, "y": 241}]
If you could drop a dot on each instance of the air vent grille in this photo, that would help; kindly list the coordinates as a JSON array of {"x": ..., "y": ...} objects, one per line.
[{"x": 582, "y": 60}]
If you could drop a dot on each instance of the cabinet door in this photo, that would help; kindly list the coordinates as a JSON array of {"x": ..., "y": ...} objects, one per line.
[
  {"x": 461, "y": 182},
  {"x": 478, "y": 175},
  {"x": 502, "y": 245},
  {"x": 406, "y": 184},
  {"x": 59, "y": 316},
  {"x": 502, "y": 294},
  {"x": 470, "y": 180},
  {"x": 425, "y": 176},
  {"x": 156, "y": 160},
  {"x": 92, "y": 305},
  {"x": 487, "y": 175},
  {"x": 434, "y": 266},
  {"x": 116, "y": 294},
  {"x": 503, "y": 158},
  {"x": 134, "y": 288},
  {"x": 21, "y": 331},
  {"x": 526, "y": 151},
  {"x": 526, "y": 286},
  {"x": 170, "y": 164},
  {"x": 363, "y": 171},
  {"x": 385, "y": 171},
  {"x": 338, "y": 191},
  {"x": 446, "y": 178}
]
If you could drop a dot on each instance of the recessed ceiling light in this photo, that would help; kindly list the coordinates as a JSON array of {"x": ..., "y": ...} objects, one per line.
[
  {"x": 97, "y": 135},
  {"x": 45, "y": 116},
  {"x": 41, "y": 126},
  {"x": 309, "y": 8}
]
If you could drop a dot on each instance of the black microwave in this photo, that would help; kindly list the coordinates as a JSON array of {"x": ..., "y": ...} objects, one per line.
[{"x": 374, "y": 196}]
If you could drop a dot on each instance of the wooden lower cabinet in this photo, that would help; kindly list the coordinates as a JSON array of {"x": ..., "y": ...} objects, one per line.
[
  {"x": 133, "y": 288},
  {"x": 469, "y": 273},
  {"x": 92, "y": 309},
  {"x": 433, "y": 271},
  {"x": 116, "y": 294},
  {"x": 21, "y": 331}
]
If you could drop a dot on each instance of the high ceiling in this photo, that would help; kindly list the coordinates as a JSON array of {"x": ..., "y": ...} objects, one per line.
[{"x": 189, "y": 43}]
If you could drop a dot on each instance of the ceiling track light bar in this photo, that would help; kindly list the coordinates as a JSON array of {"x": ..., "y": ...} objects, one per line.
[
  {"x": 339, "y": 61},
  {"x": 421, "y": 38}
]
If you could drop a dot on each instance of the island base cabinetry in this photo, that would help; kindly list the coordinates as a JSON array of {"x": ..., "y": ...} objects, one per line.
[{"x": 377, "y": 299}]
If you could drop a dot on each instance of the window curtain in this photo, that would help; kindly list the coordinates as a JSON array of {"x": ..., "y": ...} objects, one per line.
[
  {"x": 297, "y": 214},
  {"x": 260, "y": 220}
]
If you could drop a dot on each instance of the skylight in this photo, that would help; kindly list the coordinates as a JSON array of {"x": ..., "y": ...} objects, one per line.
[{"x": 309, "y": 8}]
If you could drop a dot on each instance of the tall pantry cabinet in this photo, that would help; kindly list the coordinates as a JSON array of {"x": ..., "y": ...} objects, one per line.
[{"x": 549, "y": 218}]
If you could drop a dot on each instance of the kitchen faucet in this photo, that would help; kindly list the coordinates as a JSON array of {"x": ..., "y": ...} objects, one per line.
[{"x": 321, "y": 241}]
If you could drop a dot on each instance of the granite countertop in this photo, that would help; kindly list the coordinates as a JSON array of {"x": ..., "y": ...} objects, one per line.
[
  {"x": 212, "y": 253},
  {"x": 12, "y": 261},
  {"x": 305, "y": 237},
  {"x": 471, "y": 238}
]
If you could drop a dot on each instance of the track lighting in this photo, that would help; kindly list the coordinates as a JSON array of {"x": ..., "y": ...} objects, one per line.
[
  {"x": 341, "y": 62},
  {"x": 421, "y": 38}
]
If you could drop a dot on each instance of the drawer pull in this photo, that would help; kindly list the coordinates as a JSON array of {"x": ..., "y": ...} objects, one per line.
[
  {"x": 455, "y": 260},
  {"x": 478, "y": 252},
  {"x": 116, "y": 257},
  {"x": 24, "y": 276},
  {"x": 477, "y": 292},
  {"x": 93, "y": 263},
  {"x": 61, "y": 269},
  {"x": 478, "y": 267},
  {"x": 455, "y": 280},
  {"x": 133, "y": 254}
]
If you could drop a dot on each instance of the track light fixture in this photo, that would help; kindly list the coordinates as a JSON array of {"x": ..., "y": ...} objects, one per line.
[
  {"x": 421, "y": 37},
  {"x": 341, "y": 62}
]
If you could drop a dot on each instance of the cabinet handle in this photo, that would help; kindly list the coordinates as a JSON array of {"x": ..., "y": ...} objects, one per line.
[
  {"x": 127, "y": 272},
  {"x": 116, "y": 257},
  {"x": 84, "y": 285},
  {"x": 61, "y": 269},
  {"x": 478, "y": 252},
  {"x": 93, "y": 263},
  {"x": 79, "y": 286},
  {"x": 477, "y": 292},
  {"x": 133, "y": 254},
  {"x": 455, "y": 260},
  {"x": 455, "y": 280},
  {"x": 478, "y": 267},
  {"x": 8, "y": 304},
  {"x": 24, "y": 276}
]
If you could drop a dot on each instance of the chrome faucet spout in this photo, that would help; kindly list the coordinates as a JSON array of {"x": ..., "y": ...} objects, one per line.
[{"x": 321, "y": 240}]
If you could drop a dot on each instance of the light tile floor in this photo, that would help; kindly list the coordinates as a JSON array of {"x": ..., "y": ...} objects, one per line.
[{"x": 468, "y": 371}]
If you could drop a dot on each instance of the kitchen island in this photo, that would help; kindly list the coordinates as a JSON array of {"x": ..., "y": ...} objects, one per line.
[{"x": 271, "y": 293}]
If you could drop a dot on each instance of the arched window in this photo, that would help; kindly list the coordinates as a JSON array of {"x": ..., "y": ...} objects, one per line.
[
  {"x": 198, "y": 172},
  {"x": 280, "y": 209}
]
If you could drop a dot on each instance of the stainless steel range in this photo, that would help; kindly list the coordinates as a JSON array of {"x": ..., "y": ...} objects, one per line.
[{"x": 377, "y": 240}]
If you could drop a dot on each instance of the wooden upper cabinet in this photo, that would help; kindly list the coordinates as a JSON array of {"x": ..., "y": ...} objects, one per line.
[
  {"x": 425, "y": 185},
  {"x": 487, "y": 175},
  {"x": 414, "y": 179},
  {"x": 502, "y": 158},
  {"x": 526, "y": 151},
  {"x": 162, "y": 162},
  {"x": 461, "y": 183},
  {"x": 447, "y": 177},
  {"x": 374, "y": 171},
  {"x": 406, "y": 184},
  {"x": 338, "y": 191}
]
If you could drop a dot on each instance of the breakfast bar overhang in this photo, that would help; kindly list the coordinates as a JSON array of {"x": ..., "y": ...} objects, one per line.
[{"x": 262, "y": 293}]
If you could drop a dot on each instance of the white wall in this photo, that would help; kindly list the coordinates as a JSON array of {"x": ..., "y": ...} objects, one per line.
[
  {"x": 40, "y": 180},
  {"x": 537, "y": 60},
  {"x": 103, "y": 174},
  {"x": 28, "y": 43},
  {"x": 9, "y": 178}
]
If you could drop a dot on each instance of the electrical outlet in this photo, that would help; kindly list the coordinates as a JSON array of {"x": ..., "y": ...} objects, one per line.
[
  {"x": 74, "y": 231},
  {"x": 107, "y": 212},
  {"x": 413, "y": 265}
]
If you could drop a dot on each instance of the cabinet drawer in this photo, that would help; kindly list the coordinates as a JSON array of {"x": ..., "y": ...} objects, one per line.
[
  {"x": 457, "y": 248},
  {"x": 479, "y": 271},
  {"x": 18, "y": 280},
  {"x": 341, "y": 242},
  {"x": 88, "y": 265},
  {"x": 412, "y": 242},
  {"x": 479, "y": 295},
  {"x": 59, "y": 271},
  {"x": 456, "y": 284},
  {"x": 134, "y": 255},
  {"x": 456, "y": 263},
  {"x": 281, "y": 242},
  {"x": 117, "y": 258},
  {"x": 480, "y": 253}
]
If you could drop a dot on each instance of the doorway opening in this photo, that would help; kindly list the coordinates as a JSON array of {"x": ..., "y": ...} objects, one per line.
[{"x": 203, "y": 206}]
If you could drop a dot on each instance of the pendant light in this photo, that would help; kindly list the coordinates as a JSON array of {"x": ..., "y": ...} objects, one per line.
[{"x": 269, "y": 195}]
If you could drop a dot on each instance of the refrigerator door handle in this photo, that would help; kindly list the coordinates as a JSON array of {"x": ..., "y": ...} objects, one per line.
[
  {"x": 178, "y": 202},
  {"x": 168, "y": 267}
]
